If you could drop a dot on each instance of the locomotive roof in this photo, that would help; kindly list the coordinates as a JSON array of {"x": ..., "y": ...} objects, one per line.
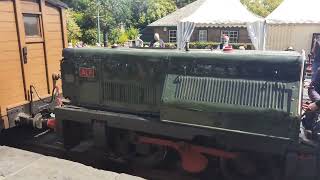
[{"x": 237, "y": 55}]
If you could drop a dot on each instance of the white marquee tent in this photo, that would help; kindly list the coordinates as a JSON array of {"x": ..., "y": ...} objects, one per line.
[
  {"x": 293, "y": 24},
  {"x": 217, "y": 13}
]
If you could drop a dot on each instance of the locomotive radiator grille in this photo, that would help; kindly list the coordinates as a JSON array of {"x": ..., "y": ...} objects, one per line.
[
  {"x": 259, "y": 94},
  {"x": 130, "y": 93}
]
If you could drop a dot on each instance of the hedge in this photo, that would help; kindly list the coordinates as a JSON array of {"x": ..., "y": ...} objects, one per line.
[{"x": 209, "y": 45}]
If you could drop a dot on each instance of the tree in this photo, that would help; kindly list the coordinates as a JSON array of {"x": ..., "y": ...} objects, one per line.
[
  {"x": 261, "y": 7},
  {"x": 73, "y": 30},
  {"x": 77, "y": 5},
  {"x": 90, "y": 36},
  {"x": 144, "y": 12},
  {"x": 158, "y": 9},
  {"x": 181, "y": 3},
  {"x": 132, "y": 13}
]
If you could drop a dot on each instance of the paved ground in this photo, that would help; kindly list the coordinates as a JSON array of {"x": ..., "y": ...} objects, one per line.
[{"x": 16, "y": 164}]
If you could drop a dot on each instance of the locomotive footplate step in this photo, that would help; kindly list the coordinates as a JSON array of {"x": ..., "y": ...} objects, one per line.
[
  {"x": 69, "y": 118},
  {"x": 16, "y": 164}
]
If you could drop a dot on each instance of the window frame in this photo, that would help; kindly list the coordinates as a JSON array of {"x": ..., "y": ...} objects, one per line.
[
  {"x": 200, "y": 35},
  {"x": 231, "y": 38},
  {"x": 170, "y": 37},
  {"x": 36, "y": 38}
]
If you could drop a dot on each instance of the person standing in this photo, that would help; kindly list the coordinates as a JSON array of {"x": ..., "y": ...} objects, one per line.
[
  {"x": 157, "y": 42},
  {"x": 309, "y": 120},
  {"x": 316, "y": 55},
  {"x": 225, "y": 42},
  {"x": 138, "y": 41}
]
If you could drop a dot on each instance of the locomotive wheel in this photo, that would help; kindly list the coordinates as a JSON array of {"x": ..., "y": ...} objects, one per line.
[{"x": 248, "y": 167}]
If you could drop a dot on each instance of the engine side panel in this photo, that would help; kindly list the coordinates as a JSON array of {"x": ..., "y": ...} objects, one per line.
[{"x": 251, "y": 91}]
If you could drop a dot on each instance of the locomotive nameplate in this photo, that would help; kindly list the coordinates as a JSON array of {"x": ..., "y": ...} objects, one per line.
[{"x": 86, "y": 72}]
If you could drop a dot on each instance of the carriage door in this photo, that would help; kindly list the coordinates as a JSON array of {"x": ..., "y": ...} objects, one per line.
[{"x": 34, "y": 58}]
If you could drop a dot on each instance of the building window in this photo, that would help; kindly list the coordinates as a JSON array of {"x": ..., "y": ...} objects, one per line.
[
  {"x": 172, "y": 36},
  {"x": 233, "y": 35},
  {"x": 32, "y": 25},
  {"x": 203, "y": 35}
]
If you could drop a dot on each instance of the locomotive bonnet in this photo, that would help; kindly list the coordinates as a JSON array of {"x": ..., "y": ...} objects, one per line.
[{"x": 252, "y": 92}]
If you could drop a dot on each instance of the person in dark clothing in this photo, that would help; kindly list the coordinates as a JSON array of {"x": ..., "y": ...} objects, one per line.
[
  {"x": 157, "y": 42},
  {"x": 310, "y": 120},
  {"x": 314, "y": 87},
  {"x": 316, "y": 55}
]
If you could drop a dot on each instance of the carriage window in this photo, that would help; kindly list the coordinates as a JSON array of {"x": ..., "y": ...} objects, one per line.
[{"x": 32, "y": 25}]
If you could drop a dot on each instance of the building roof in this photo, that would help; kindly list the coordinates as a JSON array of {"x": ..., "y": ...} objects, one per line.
[
  {"x": 296, "y": 12},
  {"x": 174, "y": 18},
  {"x": 57, "y": 3}
]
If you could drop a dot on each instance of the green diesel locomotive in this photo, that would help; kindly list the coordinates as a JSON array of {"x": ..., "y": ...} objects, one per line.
[{"x": 240, "y": 108}]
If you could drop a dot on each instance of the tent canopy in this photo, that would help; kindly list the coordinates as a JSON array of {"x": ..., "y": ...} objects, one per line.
[
  {"x": 227, "y": 13},
  {"x": 296, "y": 12},
  {"x": 293, "y": 23},
  {"x": 217, "y": 12}
]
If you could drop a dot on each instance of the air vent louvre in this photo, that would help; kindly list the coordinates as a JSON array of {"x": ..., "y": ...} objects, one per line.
[
  {"x": 130, "y": 93},
  {"x": 260, "y": 94}
]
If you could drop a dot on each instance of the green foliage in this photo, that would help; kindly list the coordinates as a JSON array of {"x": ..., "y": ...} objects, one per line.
[
  {"x": 182, "y": 3},
  {"x": 133, "y": 13},
  {"x": 123, "y": 38},
  {"x": 89, "y": 36},
  {"x": 77, "y": 4},
  {"x": 145, "y": 12},
  {"x": 158, "y": 9},
  {"x": 132, "y": 33},
  {"x": 73, "y": 30},
  {"x": 203, "y": 45},
  {"x": 119, "y": 37},
  {"x": 115, "y": 35},
  {"x": 209, "y": 45},
  {"x": 261, "y": 7},
  {"x": 171, "y": 45}
]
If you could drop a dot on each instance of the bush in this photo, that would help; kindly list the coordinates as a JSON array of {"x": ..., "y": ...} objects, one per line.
[
  {"x": 89, "y": 36},
  {"x": 209, "y": 45},
  {"x": 119, "y": 37},
  {"x": 132, "y": 33},
  {"x": 74, "y": 32},
  {"x": 203, "y": 45},
  {"x": 123, "y": 38},
  {"x": 114, "y": 35},
  {"x": 171, "y": 45}
]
